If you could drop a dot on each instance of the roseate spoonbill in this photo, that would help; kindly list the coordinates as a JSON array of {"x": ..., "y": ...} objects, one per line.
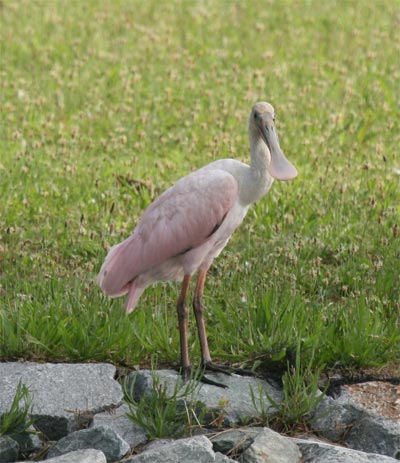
[{"x": 187, "y": 227}]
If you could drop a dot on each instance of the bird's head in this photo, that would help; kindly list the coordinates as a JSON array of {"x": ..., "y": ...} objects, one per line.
[{"x": 262, "y": 125}]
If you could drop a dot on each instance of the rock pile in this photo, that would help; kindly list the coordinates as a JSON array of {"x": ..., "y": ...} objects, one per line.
[{"x": 80, "y": 416}]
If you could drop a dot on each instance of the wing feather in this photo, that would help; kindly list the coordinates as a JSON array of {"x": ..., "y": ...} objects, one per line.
[{"x": 182, "y": 218}]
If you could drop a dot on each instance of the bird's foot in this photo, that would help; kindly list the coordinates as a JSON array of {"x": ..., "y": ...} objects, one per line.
[
  {"x": 227, "y": 370},
  {"x": 187, "y": 375},
  {"x": 203, "y": 379}
]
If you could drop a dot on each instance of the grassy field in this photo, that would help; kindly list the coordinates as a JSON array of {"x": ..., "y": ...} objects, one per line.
[{"x": 104, "y": 104}]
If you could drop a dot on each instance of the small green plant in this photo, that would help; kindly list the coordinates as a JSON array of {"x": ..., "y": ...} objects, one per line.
[
  {"x": 301, "y": 396},
  {"x": 163, "y": 413},
  {"x": 217, "y": 417},
  {"x": 17, "y": 419}
]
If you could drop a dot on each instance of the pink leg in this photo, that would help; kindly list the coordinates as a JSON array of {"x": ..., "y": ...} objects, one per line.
[
  {"x": 183, "y": 323},
  {"x": 201, "y": 328},
  {"x": 199, "y": 313}
]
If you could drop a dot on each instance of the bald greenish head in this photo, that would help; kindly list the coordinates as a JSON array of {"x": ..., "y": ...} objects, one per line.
[{"x": 262, "y": 125}]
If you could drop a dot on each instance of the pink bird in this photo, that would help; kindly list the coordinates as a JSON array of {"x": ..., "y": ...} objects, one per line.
[{"x": 187, "y": 227}]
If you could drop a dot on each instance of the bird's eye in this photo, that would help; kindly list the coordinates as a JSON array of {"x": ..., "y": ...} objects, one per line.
[{"x": 255, "y": 115}]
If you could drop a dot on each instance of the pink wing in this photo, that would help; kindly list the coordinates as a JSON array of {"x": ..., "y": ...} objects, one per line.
[{"x": 182, "y": 218}]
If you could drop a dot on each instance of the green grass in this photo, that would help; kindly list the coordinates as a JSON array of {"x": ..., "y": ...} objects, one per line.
[
  {"x": 165, "y": 414},
  {"x": 107, "y": 103},
  {"x": 17, "y": 419},
  {"x": 301, "y": 398}
]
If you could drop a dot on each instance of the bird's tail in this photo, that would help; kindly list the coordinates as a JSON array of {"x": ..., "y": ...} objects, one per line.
[
  {"x": 111, "y": 277},
  {"x": 134, "y": 293},
  {"x": 114, "y": 274}
]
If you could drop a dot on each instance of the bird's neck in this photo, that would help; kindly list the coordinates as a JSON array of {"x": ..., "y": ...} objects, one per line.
[{"x": 258, "y": 180}]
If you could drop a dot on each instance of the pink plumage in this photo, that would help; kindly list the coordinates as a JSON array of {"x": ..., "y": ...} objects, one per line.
[
  {"x": 183, "y": 218},
  {"x": 184, "y": 229}
]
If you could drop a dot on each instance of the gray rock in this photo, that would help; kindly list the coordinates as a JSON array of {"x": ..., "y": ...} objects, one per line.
[
  {"x": 234, "y": 401},
  {"x": 99, "y": 438},
  {"x": 315, "y": 451},
  {"x": 375, "y": 434},
  {"x": 221, "y": 458},
  {"x": 9, "y": 449},
  {"x": 157, "y": 444},
  {"x": 234, "y": 440},
  {"x": 117, "y": 420},
  {"x": 270, "y": 447},
  {"x": 62, "y": 393},
  {"x": 332, "y": 420},
  {"x": 65, "y": 395},
  {"x": 80, "y": 456},
  {"x": 360, "y": 428},
  {"x": 370, "y": 432},
  {"x": 27, "y": 441},
  {"x": 191, "y": 450}
]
